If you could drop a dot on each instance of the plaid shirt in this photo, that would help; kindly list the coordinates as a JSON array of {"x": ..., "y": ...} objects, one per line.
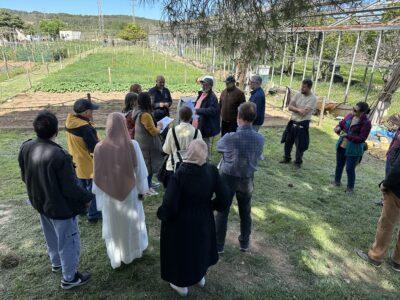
[{"x": 241, "y": 152}]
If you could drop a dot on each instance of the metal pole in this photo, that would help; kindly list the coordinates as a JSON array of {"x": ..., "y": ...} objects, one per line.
[
  {"x": 373, "y": 65},
  {"x": 321, "y": 115},
  {"x": 306, "y": 59},
  {"x": 352, "y": 67},
  {"x": 319, "y": 61},
  {"x": 294, "y": 60},
  {"x": 283, "y": 60}
]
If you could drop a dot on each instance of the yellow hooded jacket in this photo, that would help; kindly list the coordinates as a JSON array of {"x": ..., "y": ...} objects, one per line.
[{"x": 81, "y": 138}]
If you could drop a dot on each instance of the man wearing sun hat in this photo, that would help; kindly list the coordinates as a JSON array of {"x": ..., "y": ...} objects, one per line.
[
  {"x": 229, "y": 102},
  {"x": 81, "y": 139}
]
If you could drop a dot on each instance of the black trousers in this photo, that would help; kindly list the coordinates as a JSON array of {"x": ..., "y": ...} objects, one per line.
[
  {"x": 243, "y": 189},
  {"x": 227, "y": 127},
  {"x": 294, "y": 137}
]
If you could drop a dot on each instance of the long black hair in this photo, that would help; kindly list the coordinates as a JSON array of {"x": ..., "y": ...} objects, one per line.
[
  {"x": 144, "y": 102},
  {"x": 364, "y": 107},
  {"x": 131, "y": 100}
]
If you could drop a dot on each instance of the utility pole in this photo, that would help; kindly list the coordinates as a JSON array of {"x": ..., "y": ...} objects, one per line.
[
  {"x": 101, "y": 19},
  {"x": 133, "y": 11}
]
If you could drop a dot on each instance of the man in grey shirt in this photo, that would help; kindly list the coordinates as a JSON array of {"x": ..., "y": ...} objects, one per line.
[
  {"x": 241, "y": 152},
  {"x": 302, "y": 107}
]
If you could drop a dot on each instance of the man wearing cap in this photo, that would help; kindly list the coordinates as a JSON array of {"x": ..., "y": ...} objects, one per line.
[
  {"x": 207, "y": 116},
  {"x": 161, "y": 99},
  {"x": 229, "y": 102},
  {"x": 81, "y": 139}
]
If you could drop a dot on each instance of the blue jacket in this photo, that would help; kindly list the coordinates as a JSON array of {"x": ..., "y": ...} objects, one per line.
[
  {"x": 209, "y": 116},
  {"x": 258, "y": 98}
]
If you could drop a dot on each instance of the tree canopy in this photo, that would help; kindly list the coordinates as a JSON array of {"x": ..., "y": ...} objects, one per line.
[
  {"x": 10, "y": 21},
  {"x": 132, "y": 32},
  {"x": 51, "y": 27}
]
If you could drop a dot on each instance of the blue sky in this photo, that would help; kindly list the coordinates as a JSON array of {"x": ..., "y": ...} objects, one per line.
[{"x": 85, "y": 7}]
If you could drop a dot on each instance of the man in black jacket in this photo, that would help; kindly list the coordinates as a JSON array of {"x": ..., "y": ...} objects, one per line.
[
  {"x": 390, "y": 216},
  {"x": 207, "y": 113},
  {"x": 51, "y": 183}
]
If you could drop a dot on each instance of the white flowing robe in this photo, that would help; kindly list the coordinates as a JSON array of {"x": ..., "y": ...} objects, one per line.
[{"x": 124, "y": 227}]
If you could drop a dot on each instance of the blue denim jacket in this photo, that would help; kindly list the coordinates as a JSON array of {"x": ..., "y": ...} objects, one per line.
[{"x": 241, "y": 152}]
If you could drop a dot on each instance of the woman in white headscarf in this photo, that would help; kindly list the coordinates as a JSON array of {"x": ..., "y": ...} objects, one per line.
[
  {"x": 120, "y": 180},
  {"x": 188, "y": 241}
]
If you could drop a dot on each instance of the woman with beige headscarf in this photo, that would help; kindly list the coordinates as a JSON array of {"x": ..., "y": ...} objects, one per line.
[
  {"x": 188, "y": 241},
  {"x": 120, "y": 178}
]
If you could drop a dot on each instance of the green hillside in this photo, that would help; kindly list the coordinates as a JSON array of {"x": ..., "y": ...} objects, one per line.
[{"x": 88, "y": 25}]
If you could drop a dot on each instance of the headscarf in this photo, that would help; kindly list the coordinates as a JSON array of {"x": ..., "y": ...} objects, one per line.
[
  {"x": 115, "y": 159},
  {"x": 196, "y": 153}
]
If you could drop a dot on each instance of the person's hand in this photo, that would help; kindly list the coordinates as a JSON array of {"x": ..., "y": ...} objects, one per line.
[
  {"x": 383, "y": 188},
  {"x": 159, "y": 125},
  {"x": 161, "y": 104},
  {"x": 337, "y": 129}
]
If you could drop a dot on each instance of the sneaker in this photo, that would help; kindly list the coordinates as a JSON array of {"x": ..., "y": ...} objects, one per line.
[
  {"x": 182, "y": 291},
  {"x": 220, "y": 250},
  {"x": 151, "y": 192},
  {"x": 349, "y": 192},
  {"x": 297, "y": 165},
  {"x": 336, "y": 184},
  {"x": 56, "y": 269},
  {"x": 155, "y": 185},
  {"x": 202, "y": 282},
  {"x": 244, "y": 248},
  {"x": 366, "y": 258},
  {"x": 379, "y": 203},
  {"x": 394, "y": 265},
  {"x": 285, "y": 161},
  {"x": 80, "y": 279}
]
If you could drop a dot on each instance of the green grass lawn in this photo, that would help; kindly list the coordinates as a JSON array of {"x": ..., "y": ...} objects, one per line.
[{"x": 302, "y": 243}]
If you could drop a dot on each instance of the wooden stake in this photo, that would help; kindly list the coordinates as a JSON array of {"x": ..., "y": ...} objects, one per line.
[
  {"x": 283, "y": 60},
  {"x": 305, "y": 60},
  {"x": 6, "y": 65},
  {"x": 294, "y": 60},
  {"x": 28, "y": 76},
  {"x": 319, "y": 62},
  {"x": 321, "y": 115},
  {"x": 351, "y": 68},
  {"x": 109, "y": 75},
  {"x": 373, "y": 65}
]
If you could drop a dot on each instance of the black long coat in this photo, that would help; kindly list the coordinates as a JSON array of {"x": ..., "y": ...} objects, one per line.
[{"x": 188, "y": 241}]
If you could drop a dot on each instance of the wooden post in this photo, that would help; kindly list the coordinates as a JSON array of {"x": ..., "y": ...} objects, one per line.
[
  {"x": 306, "y": 59},
  {"x": 213, "y": 58},
  {"x": 294, "y": 60},
  {"x": 61, "y": 64},
  {"x": 283, "y": 60},
  {"x": 6, "y": 65},
  {"x": 68, "y": 53},
  {"x": 352, "y": 67},
  {"x": 321, "y": 115},
  {"x": 28, "y": 76},
  {"x": 373, "y": 65},
  {"x": 319, "y": 61},
  {"x": 109, "y": 75}
]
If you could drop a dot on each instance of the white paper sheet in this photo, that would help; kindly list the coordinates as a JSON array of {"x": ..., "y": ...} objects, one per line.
[{"x": 165, "y": 122}]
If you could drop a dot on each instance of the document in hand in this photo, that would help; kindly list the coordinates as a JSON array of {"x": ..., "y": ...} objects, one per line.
[{"x": 165, "y": 122}]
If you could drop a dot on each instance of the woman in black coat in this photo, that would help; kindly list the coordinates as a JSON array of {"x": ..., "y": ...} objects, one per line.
[{"x": 188, "y": 241}]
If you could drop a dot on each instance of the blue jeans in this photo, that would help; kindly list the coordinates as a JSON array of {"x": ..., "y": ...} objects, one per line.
[
  {"x": 63, "y": 244},
  {"x": 92, "y": 212},
  {"x": 350, "y": 162}
]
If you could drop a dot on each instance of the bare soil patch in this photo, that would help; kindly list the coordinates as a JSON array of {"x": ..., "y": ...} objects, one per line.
[{"x": 20, "y": 111}]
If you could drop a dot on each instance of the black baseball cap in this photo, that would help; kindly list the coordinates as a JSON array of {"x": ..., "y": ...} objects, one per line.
[
  {"x": 230, "y": 79},
  {"x": 82, "y": 105}
]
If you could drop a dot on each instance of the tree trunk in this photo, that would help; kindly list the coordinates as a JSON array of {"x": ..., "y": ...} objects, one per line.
[
  {"x": 379, "y": 110},
  {"x": 240, "y": 73}
]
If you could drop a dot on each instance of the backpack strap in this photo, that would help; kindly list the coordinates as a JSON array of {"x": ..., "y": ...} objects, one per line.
[
  {"x": 178, "y": 147},
  {"x": 195, "y": 134}
]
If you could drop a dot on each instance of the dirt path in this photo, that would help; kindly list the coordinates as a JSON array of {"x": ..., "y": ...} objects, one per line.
[{"x": 20, "y": 111}]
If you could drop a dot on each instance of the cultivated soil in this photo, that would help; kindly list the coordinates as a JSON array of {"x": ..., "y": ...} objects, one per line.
[{"x": 20, "y": 111}]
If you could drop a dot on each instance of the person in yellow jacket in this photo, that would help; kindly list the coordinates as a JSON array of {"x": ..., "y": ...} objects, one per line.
[{"x": 81, "y": 139}]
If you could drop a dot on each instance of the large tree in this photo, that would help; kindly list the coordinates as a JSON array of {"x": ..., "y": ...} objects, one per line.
[
  {"x": 51, "y": 27},
  {"x": 132, "y": 32},
  {"x": 248, "y": 29},
  {"x": 8, "y": 24}
]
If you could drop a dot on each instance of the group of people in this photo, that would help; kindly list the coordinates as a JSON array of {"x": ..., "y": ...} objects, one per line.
[{"x": 108, "y": 179}]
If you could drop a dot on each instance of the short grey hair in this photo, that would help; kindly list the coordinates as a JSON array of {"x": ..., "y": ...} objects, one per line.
[{"x": 256, "y": 78}]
